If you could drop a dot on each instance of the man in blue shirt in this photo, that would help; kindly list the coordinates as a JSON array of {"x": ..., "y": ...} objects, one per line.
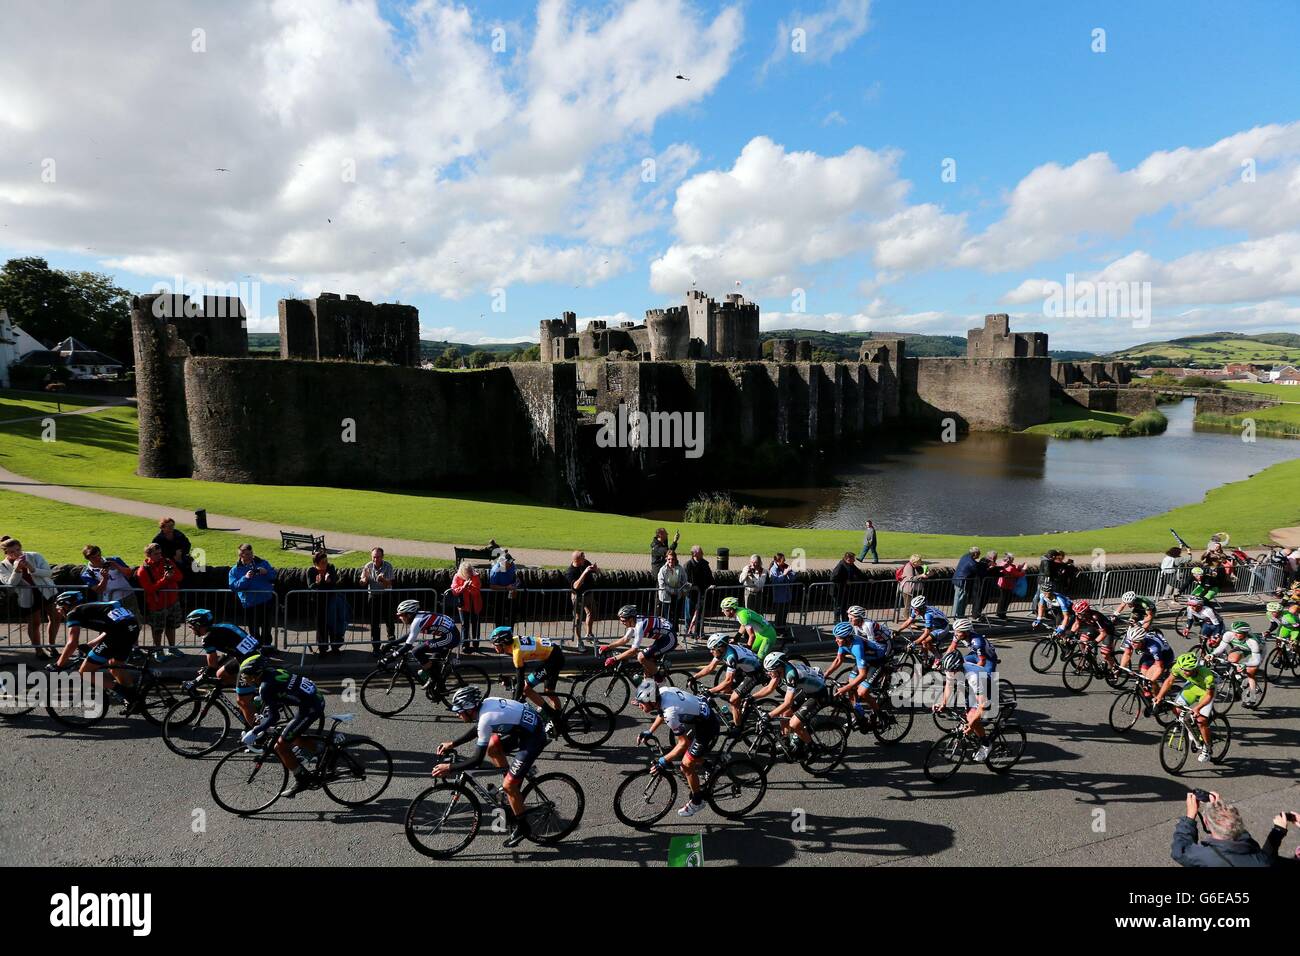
[
  {"x": 253, "y": 581},
  {"x": 964, "y": 579}
]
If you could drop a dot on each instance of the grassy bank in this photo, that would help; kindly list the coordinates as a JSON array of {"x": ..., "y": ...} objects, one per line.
[
  {"x": 1286, "y": 393},
  {"x": 1069, "y": 420},
  {"x": 1278, "y": 421},
  {"x": 98, "y": 452}
]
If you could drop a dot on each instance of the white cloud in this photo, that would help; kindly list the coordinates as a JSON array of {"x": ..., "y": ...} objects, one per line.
[{"x": 826, "y": 32}]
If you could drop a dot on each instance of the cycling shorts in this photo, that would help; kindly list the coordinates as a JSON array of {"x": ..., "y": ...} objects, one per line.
[
  {"x": 548, "y": 672},
  {"x": 116, "y": 645},
  {"x": 308, "y": 713},
  {"x": 703, "y": 733}
]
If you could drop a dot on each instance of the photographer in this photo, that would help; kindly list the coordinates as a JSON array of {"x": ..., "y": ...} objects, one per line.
[
  {"x": 1273, "y": 842},
  {"x": 1227, "y": 843}
]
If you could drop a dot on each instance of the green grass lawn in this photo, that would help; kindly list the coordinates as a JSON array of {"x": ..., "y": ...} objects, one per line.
[
  {"x": 98, "y": 452},
  {"x": 1287, "y": 393},
  {"x": 16, "y": 404},
  {"x": 1071, "y": 420}
]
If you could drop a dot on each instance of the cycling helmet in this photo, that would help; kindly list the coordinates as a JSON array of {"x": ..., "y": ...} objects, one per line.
[
  {"x": 729, "y": 604},
  {"x": 1197, "y": 571},
  {"x": 1185, "y": 663},
  {"x": 69, "y": 599},
  {"x": 843, "y": 631},
  {"x": 1134, "y": 633},
  {"x": 250, "y": 672},
  {"x": 963, "y": 624},
  {"x": 503, "y": 634},
  {"x": 952, "y": 661},
  {"x": 773, "y": 661},
  {"x": 718, "y": 641},
  {"x": 1273, "y": 607},
  {"x": 1240, "y": 627},
  {"x": 1082, "y": 607},
  {"x": 409, "y": 607},
  {"x": 857, "y": 611},
  {"x": 647, "y": 692},
  {"x": 1128, "y": 597},
  {"x": 200, "y": 615},
  {"x": 1195, "y": 601},
  {"x": 465, "y": 699},
  {"x": 1047, "y": 587},
  {"x": 626, "y": 611},
  {"x": 918, "y": 602}
]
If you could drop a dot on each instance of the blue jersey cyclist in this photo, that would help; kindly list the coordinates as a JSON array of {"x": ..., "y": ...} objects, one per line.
[
  {"x": 932, "y": 621},
  {"x": 280, "y": 689},
  {"x": 692, "y": 722},
  {"x": 227, "y": 647},
  {"x": 429, "y": 638},
  {"x": 742, "y": 672},
  {"x": 1053, "y": 602},
  {"x": 956, "y": 667},
  {"x": 648, "y": 639},
  {"x": 868, "y": 644},
  {"x": 1155, "y": 656}
]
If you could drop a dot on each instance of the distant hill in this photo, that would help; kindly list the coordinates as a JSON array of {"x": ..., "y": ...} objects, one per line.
[
  {"x": 429, "y": 349},
  {"x": 1213, "y": 349},
  {"x": 845, "y": 344}
]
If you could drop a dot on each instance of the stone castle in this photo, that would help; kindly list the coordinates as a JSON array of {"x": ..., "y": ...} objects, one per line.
[{"x": 347, "y": 382}]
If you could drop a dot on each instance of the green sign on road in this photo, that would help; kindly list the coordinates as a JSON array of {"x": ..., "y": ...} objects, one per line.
[{"x": 686, "y": 851}]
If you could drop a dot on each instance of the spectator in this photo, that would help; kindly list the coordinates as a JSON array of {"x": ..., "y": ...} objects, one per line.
[
  {"x": 109, "y": 578},
  {"x": 175, "y": 546},
  {"x": 1227, "y": 845},
  {"x": 377, "y": 578},
  {"x": 467, "y": 585},
  {"x": 331, "y": 608},
  {"x": 780, "y": 586},
  {"x": 753, "y": 579},
  {"x": 869, "y": 544},
  {"x": 161, "y": 581},
  {"x": 673, "y": 584},
  {"x": 1009, "y": 575},
  {"x": 1273, "y": 842},
  {"x": 1171, "y": 566},
  {"x": 503, "y": 582},
  {"x": 580, "y": 574},
  {"x": 29, "y": 574},
  {"x": 910, "y": 577},
  {"x": 984, "y": 588},
  {"x": 660, "y": 547},
  {"x": 700, "y": 575},
  {"x": 253, "y": 581},
  {"x": 845, "y": 573},
  {"x": 964, "y": 579}
]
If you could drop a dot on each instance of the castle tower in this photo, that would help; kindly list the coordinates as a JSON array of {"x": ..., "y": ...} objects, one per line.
[
  {"x": 669, "y": 333},
  {"x": 348, "y": 327},
  {"x": 558, "y": 338}
]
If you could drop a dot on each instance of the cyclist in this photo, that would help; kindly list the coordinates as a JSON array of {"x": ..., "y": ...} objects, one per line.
[
  {"x": 743, "y": 670},
  {"x": 430, "y": 637},
  {"x": 1196, "y": 693},
  {"x": 1273, "y": 612},
  {"x": 805, "y": 694},
  {"x": 692, "y": 722},
  {"x": 1199, "y": 610},
  {"x": 1155, "y": 656},
  {"x": 277, "y": 687},
  {"x": 1051, "y": 601},
  {"x": 933, "y": 622},
  {"x": 1140, "y": 610},
  {"x": 656, "y": 633},
  {"x": 1203, "y": 587},
  {"x": 226, "y": 647},
  {"x": 758, "y": 634},
  {"x": 501, "y": 727},
  {"x": 1284, "y": 621},
  {"x": 537, "y": 660},
  {"x": 118, "y": 630},
  {"x": 1242, "y": 648},
  {"x": 954, "y": 665},
  {"x": 869, "y": 645},
  {"x": 1091, "y": 624}
]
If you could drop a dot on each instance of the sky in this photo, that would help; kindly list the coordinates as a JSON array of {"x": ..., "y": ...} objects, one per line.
[{"x": 1109, "y": 172}]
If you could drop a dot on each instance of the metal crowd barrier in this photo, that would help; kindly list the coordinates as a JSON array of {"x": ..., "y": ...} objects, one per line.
[{"x": 346, "y": 617}]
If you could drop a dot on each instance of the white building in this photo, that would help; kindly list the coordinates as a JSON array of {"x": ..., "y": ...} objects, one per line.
[{"x": 8, "y": 347}]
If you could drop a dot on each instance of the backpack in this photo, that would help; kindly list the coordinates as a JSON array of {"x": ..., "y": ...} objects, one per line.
[{"x": 898, "y": 575}]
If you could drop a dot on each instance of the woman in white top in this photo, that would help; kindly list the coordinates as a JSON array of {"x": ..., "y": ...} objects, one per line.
[{"x": 29, "y": 573}]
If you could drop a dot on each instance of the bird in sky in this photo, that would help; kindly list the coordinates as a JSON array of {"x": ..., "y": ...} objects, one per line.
[
  {"x": 686, "y": 78},
  {"x": 221, "y": 169}
]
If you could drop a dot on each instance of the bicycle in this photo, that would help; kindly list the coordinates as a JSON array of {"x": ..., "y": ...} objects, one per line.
[
  {"x": 445, "y": 818},
  {"x": 1284, "y": 657},
  {"x": 613, "y": 686},
  {"x": 732, "y": 786},
  {"x": 82, "y": 700},
  {"x": 1083, "y": 662},
  {"x": 765, "y": 741},
  {"x": 1131, "y": 704},
  {"x": 1047, "y": 650},
  {"x": 353, "y": 771},
  {"x": 1184, "y": 735},
  {"x": 197, "y": 725},
  {"x": 954, "y": 714},
  {"x": 584, "y": 724},
  {"x": 1006, "y": 741},
  {"x": 390, "y": 688},
  {"x": 888, "y": 723}
]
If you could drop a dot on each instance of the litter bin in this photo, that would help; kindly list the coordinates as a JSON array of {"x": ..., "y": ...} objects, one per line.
[
  {"x": 201, "y": 519},
  {"x": 724, "y": 559}
]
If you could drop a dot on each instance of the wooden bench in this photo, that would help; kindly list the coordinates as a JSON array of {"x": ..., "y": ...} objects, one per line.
[
  {"x": 476, "y": 554},
  {"x": 292, "y": 540}
]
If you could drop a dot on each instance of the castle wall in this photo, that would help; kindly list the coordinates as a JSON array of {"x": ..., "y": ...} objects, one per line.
[
  {"x": 980, "y": 393},
  {"x": 333, "y": 327},
  {"x": 1122, "y": 401},
  {"x": 1231, "y": 403}
]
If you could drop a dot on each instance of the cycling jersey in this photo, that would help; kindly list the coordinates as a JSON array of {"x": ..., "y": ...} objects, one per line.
[
  {"x": 528, "y": 650},
  {"x": 281, "y": 688},
  {"x": 801, "y": 678},
  {"x": 1196, "y": 685},
  {"x": 874, "y": 631},
  {"x": 1060, "y": 601},
  {"x": 1207, "y": 591},
  {"x": 935, "y": 622},
  {"x": 1141, "y": 607},
  {"x": 981, "y": 646},
  {"x": 119, "y": 626},
  {"x": 764, "y": 633},
  {"x": 517, "y": 727},
  {"x": 865, "y": 653},
  {"x": 683, "y": 711},
  {"x": 1151, "y": 646},
  {"x": 433, "y": 632},
  {"x": 1103, "y": 624},
  {"x": 233, "y": 642},
  {"x": 1288, "y": 627},
  {"x": 1206, "y": 615},
  {"x": 656, "y": 632},
  {"x": 737, "y": 657}
]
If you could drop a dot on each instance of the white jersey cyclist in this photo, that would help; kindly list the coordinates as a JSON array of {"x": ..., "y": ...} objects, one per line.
[
  {"x": 653, "y": 633},
  {"x": 682, "y": 710},
  {"x": 433, "y": 632},
  {"x": 505, "y": 719}
]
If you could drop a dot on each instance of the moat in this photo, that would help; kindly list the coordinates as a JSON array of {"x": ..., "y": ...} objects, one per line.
[{"x": 1015, "y": 484}]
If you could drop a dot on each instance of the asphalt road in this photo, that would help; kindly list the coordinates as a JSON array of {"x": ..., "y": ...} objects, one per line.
[{"x": 1082, "y": 795}]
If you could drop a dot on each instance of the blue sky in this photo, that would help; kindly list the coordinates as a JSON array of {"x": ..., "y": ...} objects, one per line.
[{"x": 512, "y": 177}]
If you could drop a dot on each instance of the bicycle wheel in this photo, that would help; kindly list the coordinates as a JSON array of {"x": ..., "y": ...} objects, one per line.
[
  {"x": 244, "y": 783},
  {"x": 443, "y": 820},
  {"x": 1115, "y": 678},
  {"x": 467, "y": 675},
  {"x": 159, "y": 698},
  {"x": 1278, "y": 664},
  {"x": 553, "y": 805},
  {"x": 1252, "y": 699},
  {"x": 1174, "y": 747},
  {"x": 1226, "y": 691},
  {"x": 356, "y": 771},
  {"x": 13, "y": 698},
  {"x": 611, "y": 690},
  {"x": 644, "y": 798},
  {"x": 195, "y": 727},
  {"x": 1076, "y": 672},
  {"x": 1220, "y": 737},
  {"x": 586, "y": 724},
  {"x": 1125, "y": 710},
  {"x": 830, "y": 739},
  {"x": 945, "y": 758},
  {"x": 949, "y": 718},
  {"x": 736, "y": 788},
  {"x": 892, "y": 724},
  {"x": 1042, "y": 657},
  {"x": 386, "y": 693},
  {"x": 1006, "y": 747},
  {"x": 1006, "y": 692},
  {"x": 78, "y": 700},
  {"x": 758, "y": 745}
]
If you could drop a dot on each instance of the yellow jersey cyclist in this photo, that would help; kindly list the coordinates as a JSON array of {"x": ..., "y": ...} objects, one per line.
[
  {"x": 743, "y": 668},
  {"x": 806, "y": 692},
  {"x": 1242, "y": 648},
  {"x": 226, "y": 648},
  {"x": 648, "y": 639},
  {"x": 694, "y": 724},
  {"x": 754, "y": 629},
  {"x": 538, "y": 662},
  {"x": 500, "y": 727},
  {"x": 276, "y": 687},
  {"x": 1197, "y": 693}
]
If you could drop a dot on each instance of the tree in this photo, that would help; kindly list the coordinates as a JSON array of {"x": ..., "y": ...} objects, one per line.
[
  {"x": 51, "y": 305},
  {"x": 479, "y": 359},
  {"x": 450, "y": 358}
]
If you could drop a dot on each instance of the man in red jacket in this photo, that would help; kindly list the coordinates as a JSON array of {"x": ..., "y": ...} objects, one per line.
[{"x": 161, "y": 580}]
